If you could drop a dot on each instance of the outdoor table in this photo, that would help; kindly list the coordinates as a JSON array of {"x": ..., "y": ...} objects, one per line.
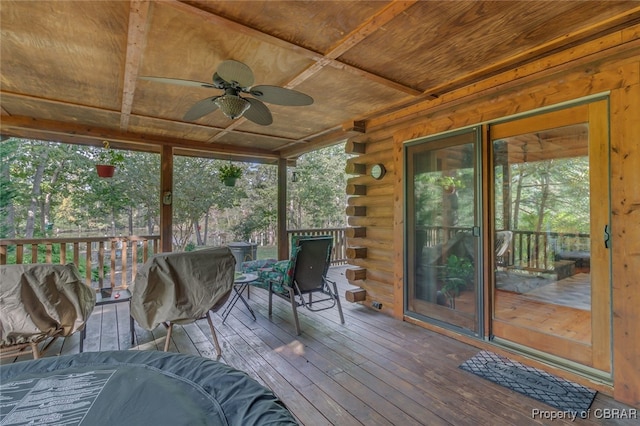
[{"x": 239, "y": 285}]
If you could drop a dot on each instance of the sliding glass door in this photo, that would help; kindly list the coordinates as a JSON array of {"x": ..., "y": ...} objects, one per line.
[
  {"x": 442, "y": 231},
  {"x": 552, "y": 275}
]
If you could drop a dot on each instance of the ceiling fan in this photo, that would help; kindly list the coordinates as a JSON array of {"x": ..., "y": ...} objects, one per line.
[{"x": 236, "y": 78}]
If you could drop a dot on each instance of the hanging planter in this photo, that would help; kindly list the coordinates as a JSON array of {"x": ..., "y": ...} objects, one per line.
[
  {"x": 105, "y": 170},
  {"x": 229, "y": 173},
  {"x": 107, "y": 161},
  {"x": 230, "y": 181}
]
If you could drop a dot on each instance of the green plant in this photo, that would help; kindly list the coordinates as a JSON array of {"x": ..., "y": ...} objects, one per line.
[
  {"x": 229, "y": 171},
  {"x": 449, "y": 183},
  {"x": 108, "y": 156},
  {"x": 456, "y": 276}
]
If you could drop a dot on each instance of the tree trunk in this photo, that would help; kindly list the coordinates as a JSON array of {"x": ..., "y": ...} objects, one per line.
[
  {"x": 36, "y": 191},
  {"x": 206, "y": 227}
]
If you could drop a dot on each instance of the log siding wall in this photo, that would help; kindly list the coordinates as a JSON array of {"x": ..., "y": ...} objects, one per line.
[{"x": 610, "y": 66}]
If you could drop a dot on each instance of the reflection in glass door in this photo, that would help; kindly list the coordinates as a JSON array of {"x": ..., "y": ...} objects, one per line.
[
  {"x": 551, "y": 278},
  {"x": 442, "y": 230}
]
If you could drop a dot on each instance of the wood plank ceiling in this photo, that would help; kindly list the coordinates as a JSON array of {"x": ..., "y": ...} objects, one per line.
[{"x": 70, "y": 69}]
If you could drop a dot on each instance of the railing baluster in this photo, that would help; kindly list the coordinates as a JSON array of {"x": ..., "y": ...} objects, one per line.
[
  {"x": 112, "y": 271},
  {"x": 87, "y": 263},
  {"x": 63, "y": 253},
  {"x": 101, "y": 264},
  {"x": 123, "y": 257}
]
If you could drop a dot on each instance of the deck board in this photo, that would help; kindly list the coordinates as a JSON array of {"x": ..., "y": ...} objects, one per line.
[{"x": 373, "y": 370}]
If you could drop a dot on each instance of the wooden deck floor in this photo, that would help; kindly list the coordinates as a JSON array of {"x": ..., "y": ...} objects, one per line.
[{"x": 373, "y": 370}]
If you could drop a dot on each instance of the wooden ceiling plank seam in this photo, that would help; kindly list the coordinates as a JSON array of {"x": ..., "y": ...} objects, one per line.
[
  {"x": 243, "y": 29},
  {"x": 136, "y": 42},
  {"x": 386, "y": 14},
  {"x": 371, "y": 25},
  {"x": 310, "y": 54},
  {"x": 96, "y": 133}
]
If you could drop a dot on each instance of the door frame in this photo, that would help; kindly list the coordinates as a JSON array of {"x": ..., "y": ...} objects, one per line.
[{"x": 596, "y": 357}]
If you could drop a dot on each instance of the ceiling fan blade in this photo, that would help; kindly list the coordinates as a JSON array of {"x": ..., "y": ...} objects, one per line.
[
  {"x": 236, "y": 73},
  {"x": 258, "y": 113},
  {"x": 178, "y": 81},
  {"x": 201, "y": 108},
  {"x": 280, "y": 96}
]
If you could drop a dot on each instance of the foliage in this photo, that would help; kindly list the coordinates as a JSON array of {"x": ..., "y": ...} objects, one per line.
[
  {"x": 229, "y": 171},
  {"x": 48, "y": 182},
  {"x": 457, "y": 275},
  {"x": 109, "y": 156}
]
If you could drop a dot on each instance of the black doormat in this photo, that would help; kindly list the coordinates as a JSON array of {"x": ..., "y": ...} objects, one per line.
[{"x": 532, "y": 382}]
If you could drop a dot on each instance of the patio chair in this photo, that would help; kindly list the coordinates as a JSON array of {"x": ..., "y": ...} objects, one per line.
[
  {"x": 503, "y": 246},
  {"x": 181, "y": 288},
  {"x": 305, "y": 276},
  {"x": 41, "y": 302}
]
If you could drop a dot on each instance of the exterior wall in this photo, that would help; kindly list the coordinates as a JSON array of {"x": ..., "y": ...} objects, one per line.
[{"x": 607, "y": 65}]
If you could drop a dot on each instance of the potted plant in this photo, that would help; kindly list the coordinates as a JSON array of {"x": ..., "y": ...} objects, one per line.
[
  {"x": 107, "y": 161},
  {"x": 229, "y": 173},
  {"x": 456, "y": 276},
  {"x": 449, "y": 184}
]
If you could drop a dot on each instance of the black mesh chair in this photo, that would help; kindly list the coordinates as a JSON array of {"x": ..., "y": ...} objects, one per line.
[{"x": 306, "y": 276}]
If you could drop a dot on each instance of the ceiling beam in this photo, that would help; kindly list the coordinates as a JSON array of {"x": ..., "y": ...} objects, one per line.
[
  {"x": 146, "y": 117},
  {"x": 88, "y": 135},
  {"x": 136, "y": 42}
]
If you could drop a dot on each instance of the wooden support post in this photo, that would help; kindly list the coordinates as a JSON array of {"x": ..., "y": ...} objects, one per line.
[
  {"x": 166, "y": 199},
  {"x": 283, "y": 241}
]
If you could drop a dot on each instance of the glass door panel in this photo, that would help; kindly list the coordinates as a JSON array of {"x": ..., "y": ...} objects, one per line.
[
  {"x": 442, "y": 232},
  {"x": 551, "y": 280}
]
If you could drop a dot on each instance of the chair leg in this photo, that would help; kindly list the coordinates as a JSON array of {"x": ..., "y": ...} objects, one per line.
[
  {"x": 168, "y": 339},
  {"x": 132, "y": 330},
  {"x": 335, "y": 294},
  {"x": 294, "y": 306},
  {"x": 34, "y": 350},
  {"x": 213, "y": 334},
  {"x": 270, "y": 297}
]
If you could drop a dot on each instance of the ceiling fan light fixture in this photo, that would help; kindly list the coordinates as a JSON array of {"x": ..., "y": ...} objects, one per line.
[{"x": 232, "y": 106}]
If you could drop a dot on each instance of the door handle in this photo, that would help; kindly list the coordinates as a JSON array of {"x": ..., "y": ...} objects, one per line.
[{"x": 607, "y": 237}]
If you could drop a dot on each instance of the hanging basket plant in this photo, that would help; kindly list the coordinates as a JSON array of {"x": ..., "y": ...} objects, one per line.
[
  {"x": 107, "y": 161},
  {"x": 229, "y": 173}
]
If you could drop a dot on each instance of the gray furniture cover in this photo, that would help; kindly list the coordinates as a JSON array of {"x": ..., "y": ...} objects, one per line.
[
  {"x": 182, "y": 287},
  {"x": 42, "y": 300},
  {"x": 135, "y": 388}
]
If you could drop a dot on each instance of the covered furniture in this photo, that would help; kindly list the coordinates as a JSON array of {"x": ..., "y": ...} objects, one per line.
[
  {"x": 40, "y": 302},
  {"x": 135, "y": 388},
  {"x": 180, "y": 288},
  {"x": 304, "y": 276}
]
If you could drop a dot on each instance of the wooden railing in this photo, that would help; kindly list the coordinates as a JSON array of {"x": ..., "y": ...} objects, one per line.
[
  {"x": 106, "y": 261},
  {"x": 540, "y": 250},
  {"x": 536, "y": 251},
  {"x": 339, "y": 251}
]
